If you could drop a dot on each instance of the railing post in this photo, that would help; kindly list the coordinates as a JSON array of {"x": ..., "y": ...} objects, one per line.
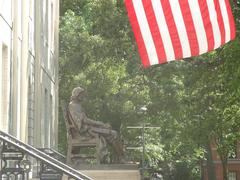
[{"x": 14, "y": 164}]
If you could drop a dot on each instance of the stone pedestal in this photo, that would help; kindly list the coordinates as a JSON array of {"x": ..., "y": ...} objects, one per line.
[{"x": 111, "y": 171}]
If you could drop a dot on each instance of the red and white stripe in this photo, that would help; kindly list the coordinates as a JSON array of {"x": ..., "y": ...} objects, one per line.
[{"x": 167, "y": 30}]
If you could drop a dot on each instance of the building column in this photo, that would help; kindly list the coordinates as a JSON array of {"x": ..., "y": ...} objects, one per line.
[
  {"x": 56, "y": 53},
  {"x": 15, "y": 85},
  {"x": 37, "y": 74},
  {"x": 24, "y": 72},
  {"x": 1, "y": 123}
]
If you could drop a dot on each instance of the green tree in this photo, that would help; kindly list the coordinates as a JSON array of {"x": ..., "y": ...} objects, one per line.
[{"x": 193, "y": 101}]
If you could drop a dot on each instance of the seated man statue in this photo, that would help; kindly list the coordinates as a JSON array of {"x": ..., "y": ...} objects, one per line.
[{"x": 90, "y": 128}]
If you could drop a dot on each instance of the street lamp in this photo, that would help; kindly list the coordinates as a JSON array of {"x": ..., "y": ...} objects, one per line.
[{"x": 143, "y": 110}]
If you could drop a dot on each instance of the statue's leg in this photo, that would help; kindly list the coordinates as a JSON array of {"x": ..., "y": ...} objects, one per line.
[
  {"x": 102, "y": 151},
  {"x": 117, "y": 144},
  {"x": 113, "y": 139}
]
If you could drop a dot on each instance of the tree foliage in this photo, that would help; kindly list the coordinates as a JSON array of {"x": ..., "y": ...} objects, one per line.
[{"x": 194, "y": 101}]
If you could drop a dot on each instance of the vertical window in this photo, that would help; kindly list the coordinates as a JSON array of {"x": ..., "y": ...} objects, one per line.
[
  {"x": 52, "y": 27},
  {"x": 46, "y": 120},
  {"x": 232, "y": 176},
  {"x": 30, "y": 112},
  {"x": 19, "y": 18},
  {"x": 31, "y": 26},
  {"x": 46, "y": 20},
  {"x": 6, "y": 10},
  {"x": 5, "y": 87},
  {"x": 51, "y": 39},
  {"x": 47, "y": 34},
  {"x": 45, "y": 31},
  {"x": 31, "y": 8},
  {"x": 42, "y": 4},
  {"x": 51, "y": 120},
  {"x": 11, "y": 124}
]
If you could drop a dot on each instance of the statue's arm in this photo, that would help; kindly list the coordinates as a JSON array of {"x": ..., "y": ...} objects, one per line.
[
  {"x": 93, "y": 123},
  {"x": 81, "y": 118}
]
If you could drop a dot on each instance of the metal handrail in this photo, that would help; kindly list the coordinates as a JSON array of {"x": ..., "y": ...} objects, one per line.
[
  {"x": 43, "y": 157},
  {"x": 57, "y": 155}
]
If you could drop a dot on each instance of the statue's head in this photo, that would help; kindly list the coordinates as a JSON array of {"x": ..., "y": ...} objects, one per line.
[{"x": 77, "y": 93}]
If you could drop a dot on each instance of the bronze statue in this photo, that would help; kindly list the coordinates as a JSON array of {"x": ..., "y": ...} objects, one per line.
[{"x": 90, "y": 128}]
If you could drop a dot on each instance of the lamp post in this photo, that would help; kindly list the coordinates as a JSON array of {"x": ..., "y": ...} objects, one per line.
[
  {"x": 143, "y": 110},
  {"x": 142, "y": 127},
  {"x": 143, "y": 149}
]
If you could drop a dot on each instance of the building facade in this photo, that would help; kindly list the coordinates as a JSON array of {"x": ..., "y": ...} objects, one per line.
[
  {"x": 29, "y": 70},
  {"x": 233, "y": 165}
]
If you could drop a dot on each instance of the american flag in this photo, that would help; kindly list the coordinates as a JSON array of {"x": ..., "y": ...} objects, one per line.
[{"x": 167, "y": 30}]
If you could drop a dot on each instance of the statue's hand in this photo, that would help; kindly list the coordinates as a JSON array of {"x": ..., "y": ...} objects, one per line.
[{"x": 107, "y": 126}]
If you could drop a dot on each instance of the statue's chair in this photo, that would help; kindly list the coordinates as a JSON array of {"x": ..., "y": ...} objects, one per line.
[{"x": 79, "y": 149}]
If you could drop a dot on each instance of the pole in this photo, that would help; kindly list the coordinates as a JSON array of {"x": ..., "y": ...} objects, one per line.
[{"x": 143, "y": 150}]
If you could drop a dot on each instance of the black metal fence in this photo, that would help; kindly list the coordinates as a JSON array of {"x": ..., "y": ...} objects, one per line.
[{"x": 16, "y": 161}]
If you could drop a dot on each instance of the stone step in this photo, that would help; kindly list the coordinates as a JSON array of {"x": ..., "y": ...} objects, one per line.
[
  {"x": 112, "y": 174},
  {"x": 108, "y": 167}
]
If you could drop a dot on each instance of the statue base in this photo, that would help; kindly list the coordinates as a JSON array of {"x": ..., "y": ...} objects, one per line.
[{"x": 111, "y": 171}]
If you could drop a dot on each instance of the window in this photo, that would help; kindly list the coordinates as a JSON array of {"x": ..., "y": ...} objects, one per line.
[
  {"x": 5, "y": 87},
  {"x": 52, "y": 27},
  {"x": 30, "y": 112},
  {"x": 46, "y": 120},
  {"x": 6, "y": 10},
  {"x": 51, "y": 120},
  {"x": 45, "y": 20},
  {"x": 19, "y": 20},
  {"x": 31, "y": 9},
  {"x": 232, "y": 176}
]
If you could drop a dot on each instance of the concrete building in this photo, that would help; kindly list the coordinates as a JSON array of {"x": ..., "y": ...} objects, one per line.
[{"x": 29, "y": 70}]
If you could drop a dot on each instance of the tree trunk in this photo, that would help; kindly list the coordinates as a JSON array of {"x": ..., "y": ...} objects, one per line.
[
  {"x": 225, "y": 170},
  {"x": 224, "y": 159},
  {"x": 210, "y": 164}
]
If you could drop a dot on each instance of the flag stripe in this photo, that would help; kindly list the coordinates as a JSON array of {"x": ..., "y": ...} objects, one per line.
[
  {"x": 137, "y": 33},
  {"x": 166, "y": 30},
  {"x": 161, "y": 21},
  {"x": 225, "y": 20},
  {"x": 154, "y": 30},
  {"x": 146, "y": 33},
  {"x": 172, "y": 29},
  {"x": 215, "y": 26},
  {"x": 178, "y": 18},
  {"x": 207, "y": 23},
  {"x": 231, "y": 20},
  {"x": 197, "y": 19},
  {"x": 220, "y": 21},
  {"x": 191, "y": 32}
]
